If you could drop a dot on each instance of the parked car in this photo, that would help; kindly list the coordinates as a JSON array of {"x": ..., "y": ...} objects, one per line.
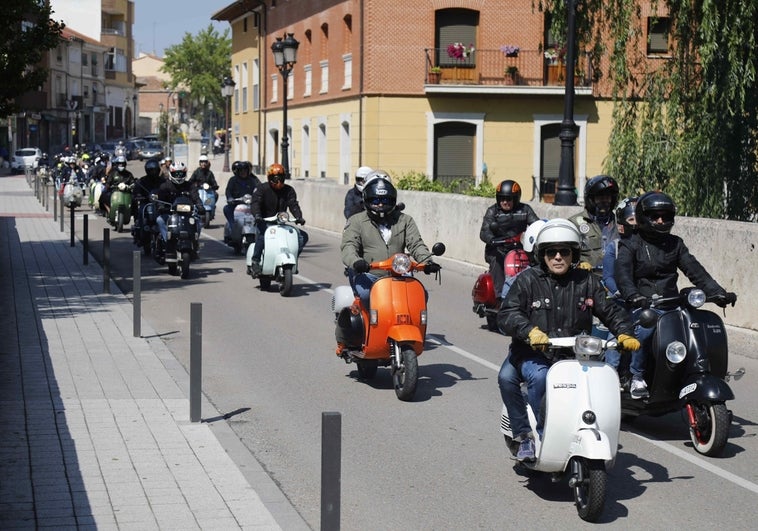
[
  {"x": 153, "y": 150},
  {"x": 109, "y": 148},
  {"x": 151, "y": 138},
  {"x": 132, "y": 149},
  {"x": 26, "y": 158}
]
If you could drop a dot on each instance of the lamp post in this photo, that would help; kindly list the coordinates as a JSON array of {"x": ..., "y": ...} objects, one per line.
[
  {"x": 566, "y": 194},
  {"x": 134, "y": 114},
  {"x": 227, "y": 89},
  {"x": 285, "y": 57}
]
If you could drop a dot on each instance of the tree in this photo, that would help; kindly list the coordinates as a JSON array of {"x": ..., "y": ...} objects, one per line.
[
  {"x": 686, "y": 124},
  {"x": 29, "y": 33},
  {"x": 199, "y": 64}
]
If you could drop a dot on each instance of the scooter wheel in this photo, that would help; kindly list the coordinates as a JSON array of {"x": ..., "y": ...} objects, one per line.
[{"x": 588, "y": 479}]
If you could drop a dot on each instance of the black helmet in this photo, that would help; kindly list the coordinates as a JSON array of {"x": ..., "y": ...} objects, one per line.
[
  {"x": 624, "y": 212},
  {"x": 650, "y": 207},
  {"x": 152, "y": 168},
  {"x": 600, "y": 184},
  {"x": 508, "y": 190},
  {"x": 379, "y": 198},
  {"x": 239, "y": 165}
]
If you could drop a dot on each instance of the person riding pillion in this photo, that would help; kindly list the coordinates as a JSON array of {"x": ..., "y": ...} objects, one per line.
[
  {"x": 507, "y": 219},
  {"x": 269, "y": 199},
  {"x": 597, "y": 223},
  {"x": 552, "y": 299},
  {"x": 379, "y": 232},
  {"x": 242, "y": 182},
  {"x": 354, "y": 196}
]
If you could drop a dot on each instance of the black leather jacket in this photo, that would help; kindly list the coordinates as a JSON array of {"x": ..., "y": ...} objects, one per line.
[
  {"x": 238, "y": 187},
  {"x": 559, "y": 305},
  {"x": 353, "y": 202},
  {"x": 497, "y": 224},
  {"x": 647, "y": 268}
]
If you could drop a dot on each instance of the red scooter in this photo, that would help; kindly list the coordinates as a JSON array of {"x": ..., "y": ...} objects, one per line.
[{"x": 484, "y": 296}]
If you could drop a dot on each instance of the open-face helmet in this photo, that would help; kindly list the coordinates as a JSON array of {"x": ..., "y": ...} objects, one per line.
[
  {"x": 654, "y": 213},
  {"x": 530, "y": 235},
  {"x": 559, "y": 231},
  {"x": 276, "y": 175},
  {"x": 379, "y": 198},
  {"x": 239, "y": 166},
  {"x": 152, "y": 168},
  {"x": 204, "y": 159},
  {"x": 360, "y": 177},
  {"x": 178, "y": 172},
  {"x": 508, "y": 190},
  {"x": 598, "y": 185},
  {"x": 625, "y": 217}
]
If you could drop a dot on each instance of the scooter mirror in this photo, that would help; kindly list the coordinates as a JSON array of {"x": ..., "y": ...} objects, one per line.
[
  {"x": 438, "y": 249},
  {"x": 648, "y": 318}
]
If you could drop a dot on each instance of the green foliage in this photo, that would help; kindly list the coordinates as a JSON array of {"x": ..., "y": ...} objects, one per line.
[
  {"x": 29, "y": 33},
  {"x": 419, "y": 182},
  {"x": 199, "y": 64}
]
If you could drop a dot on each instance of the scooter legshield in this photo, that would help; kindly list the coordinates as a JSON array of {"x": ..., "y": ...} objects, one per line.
[
  {"x": 399, "y": 302},
  {"x": 484, "y": 290},
  {"x": 280, "y": 246}
]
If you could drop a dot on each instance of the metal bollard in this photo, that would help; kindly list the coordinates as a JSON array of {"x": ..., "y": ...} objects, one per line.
[
  {"x": 85, "y": 239},
  {"x": 137, "y": 293},
  {"x": 61, "y": 204},
  {"x": 55, "y": 204},
  {"x": 106, "y": 260},
  {"x": 73, "y": 233},
  {"x": 331, "y": 458},
  {"x": 196, "y": 359}
]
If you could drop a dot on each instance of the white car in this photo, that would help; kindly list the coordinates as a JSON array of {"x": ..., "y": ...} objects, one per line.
[{"x": 26, "y": 158}]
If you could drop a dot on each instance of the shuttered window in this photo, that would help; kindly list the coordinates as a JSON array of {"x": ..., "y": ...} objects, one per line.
[
  {"x": 456, "y": 25},
  {"x": 658, "y": 29},
  {"x": 454, "y": 151},
  {"x": 551, "y": 152}
]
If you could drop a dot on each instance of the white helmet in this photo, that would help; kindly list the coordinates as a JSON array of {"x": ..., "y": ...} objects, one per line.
[
  {"x": 530, "y": 235},
  {"x": 203, "y": 158},
  {"x": 377, "y": 174},
  {"x": 559, "y": 230},
  {"x": 360, "y": 177}
]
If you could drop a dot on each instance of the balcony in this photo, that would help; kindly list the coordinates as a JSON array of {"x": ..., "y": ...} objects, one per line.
[{"x": 490, "y": 71}]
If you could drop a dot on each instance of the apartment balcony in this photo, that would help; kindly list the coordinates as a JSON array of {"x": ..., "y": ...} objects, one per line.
[{"x": 492, "y": 72}]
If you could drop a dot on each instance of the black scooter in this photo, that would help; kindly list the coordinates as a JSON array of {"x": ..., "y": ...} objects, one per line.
[
  {"x": 686, "y": 368},
  {"x": 183, "y": 235}
]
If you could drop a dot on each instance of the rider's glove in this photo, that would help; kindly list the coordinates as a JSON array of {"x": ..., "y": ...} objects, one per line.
[
  {"x": 431, "y": 267},
  {"x": 637, "y": 301},
  {"x": 584, "y": 265},
  {"x": 629, "y": 343},
  {"x": 724, "y": 299},
  {"x": 300, "y": 221},
  {"x": 538, "y": 339},
  {"x": 361, "y": 266}
]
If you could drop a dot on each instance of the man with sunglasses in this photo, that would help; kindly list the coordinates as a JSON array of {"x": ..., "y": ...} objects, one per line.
[
  {"x": 552, "y": 299},
  {"x": 269, "y": 199},
  {"x": 647, "y": 265}
]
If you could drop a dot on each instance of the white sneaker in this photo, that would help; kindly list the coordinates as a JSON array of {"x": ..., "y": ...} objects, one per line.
[{"x": 638, "y": 388}]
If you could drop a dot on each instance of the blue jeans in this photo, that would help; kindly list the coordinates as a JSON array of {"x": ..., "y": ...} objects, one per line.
[
  {"x": 644, "y": 335},
  {"x": 362, "y": 283},
  {"x": 534, "y": 373}
]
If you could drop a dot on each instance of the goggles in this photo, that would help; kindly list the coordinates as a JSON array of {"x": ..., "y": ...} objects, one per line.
[
  {"x": 377, "y": 201},
  {"x": 278, "y": 178}
]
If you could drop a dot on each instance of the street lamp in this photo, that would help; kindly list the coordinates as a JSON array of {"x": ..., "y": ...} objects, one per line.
[
  {"x": 227, "y": 89},
  {"x": 285, "y": 57},
  {"x": 566, "y": 194}
]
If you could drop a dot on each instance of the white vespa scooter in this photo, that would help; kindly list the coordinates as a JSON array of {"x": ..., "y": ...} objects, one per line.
[
  {"x": 280, "y": 253},
  {"x": 241, "y": 233},
  {"x": 582, "y": 422}
]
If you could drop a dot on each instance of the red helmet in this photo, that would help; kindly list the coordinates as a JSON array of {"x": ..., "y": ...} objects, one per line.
[{"x": 276, "y": 175}]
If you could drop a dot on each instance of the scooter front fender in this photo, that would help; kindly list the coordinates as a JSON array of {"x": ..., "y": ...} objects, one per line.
[
  {"x": 706, "y": 388},
  {"x": 592, "y": 444},
  {"x": 407, "y": 334}
]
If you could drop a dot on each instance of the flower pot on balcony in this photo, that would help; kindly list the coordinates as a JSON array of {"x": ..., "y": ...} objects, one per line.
[{"x": 433, "y": 78}]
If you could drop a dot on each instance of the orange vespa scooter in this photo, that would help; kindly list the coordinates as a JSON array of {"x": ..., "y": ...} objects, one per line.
[{"x": 391, "y": 332}]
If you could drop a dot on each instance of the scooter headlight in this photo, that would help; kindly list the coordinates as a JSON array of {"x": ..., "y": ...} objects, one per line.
[
  {"x": 676, "y": 352},
  {"x": 401, "y": 263},
  {"x": 282, "y": 217},
  {"x": 184, "y": 208},
  {"x": 587, "y": 346},
  {"x": 696, "y": 298}
]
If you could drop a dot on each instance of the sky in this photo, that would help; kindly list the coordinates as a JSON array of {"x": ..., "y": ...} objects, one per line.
[{"x": 159, "y": 24}]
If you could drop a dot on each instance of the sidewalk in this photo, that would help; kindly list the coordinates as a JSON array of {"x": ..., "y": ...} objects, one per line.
[{"x": 94, "y": 423}]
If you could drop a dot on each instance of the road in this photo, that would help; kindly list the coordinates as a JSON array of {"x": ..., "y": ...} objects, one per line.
[{"x": 438, "y": 462}]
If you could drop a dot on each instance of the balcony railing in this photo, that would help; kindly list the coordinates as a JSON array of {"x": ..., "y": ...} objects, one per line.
[{"x": 492, "y": 67}]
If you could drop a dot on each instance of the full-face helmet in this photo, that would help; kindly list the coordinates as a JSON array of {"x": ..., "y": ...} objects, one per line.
[
  {"x": 379, "y": 198},
  {"x": 242, "y": 168},
  {"x": 599, "y": 185},
  {"x": 178, "y": 172},
  {"x": 655, "y": 212},
  {"x": 276, "y": 175},
  {"x": 360, "y": 177},
  {"x": 152, "y": 168},
  {"x": 204, "y": 160},
  {"x": 120, "y": 163},
  {"x": 559, "y": 231},
  {"x": 625, "y": 217},
  {"x": 508, "y": 190}
]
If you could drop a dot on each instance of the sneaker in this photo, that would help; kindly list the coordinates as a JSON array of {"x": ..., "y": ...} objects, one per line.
[
  {"x": 638, "y": 388},
  {"x": 256, "y": 268},
  {"x": 526, "y": 450}
]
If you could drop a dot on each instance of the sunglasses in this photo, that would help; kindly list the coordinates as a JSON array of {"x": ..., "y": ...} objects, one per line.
[{"x": 553, "y": 251}]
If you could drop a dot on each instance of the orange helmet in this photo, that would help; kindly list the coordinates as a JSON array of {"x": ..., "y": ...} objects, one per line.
[{"x": 276, "y": 175}]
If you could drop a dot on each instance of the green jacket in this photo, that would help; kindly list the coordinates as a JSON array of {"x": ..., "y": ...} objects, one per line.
[
  {"x": 594, "y": 241},
  {"x": 361, "y": 239}
]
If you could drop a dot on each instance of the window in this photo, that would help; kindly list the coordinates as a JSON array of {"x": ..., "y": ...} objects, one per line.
[
  {"x": 115, "y": 60},
  {"x": 658, "y": 31},
  {"x": 348, "y": 69},
  {"x": 274, "y": 88},
  {"x": 308, "y": 69},
  {"x": 324, "y": 77},
  {"x": 454, "y": 154},
  {"x": 455, "y": 26},
  {"x": 237, "y": 82},
  {"x": 256, "y": 85},
  {"x": 244, "y": 86}
]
